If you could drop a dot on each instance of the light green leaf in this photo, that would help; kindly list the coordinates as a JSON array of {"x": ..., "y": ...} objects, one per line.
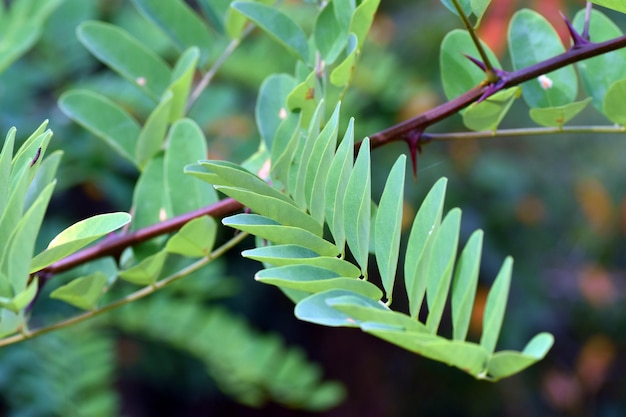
[
  {"x": 46, "y": 173},
  {"x": 342, "y": 74},
  {"x": 281, "y": 255},
  {"x": 185, "y": 144},
  {"x": 344, "y": 11},
  {"x": 443, "y": 255},
  {"x": 612, "y": 4},
  {"x": 314, "y": 279},
  {"x": 357, "y": 207},
  {"x": 458, "y": 74},
  {"x": 233, "y": 175},
  {"x": 274, "y": 208},
  {"x": 613, "y": 105},
  {"x": 150, "y": 203},
  {"x": 83, "y": 292},
  {"x": 488, "y": 114},
  {"x": 479, "y": 7},
  {"x": 194, "y": 239},
  {"x": 302, "y": 155},
  {"x": 215, "y": 11},
  {"x": 273, "y": 231},
  {"x": 388, "y": 226},
  {"x": 496, "y": 306},
  {"x": 277, "y": 25},
  {"x": 103, "y": 118},
  {"x": 464, "y": 285},
  {"x": 421, "y": 237},
  {"x": 180, "y": 23},
  {"x": 182, "y": 77},
  {"x": 532, "y": 39},
  {"x": 507, "y": 363},
  {"x": 271, "y": 106},
  {"x": 599, "y": 73},
  {"x": 31, "y": 154},
  {"x": 78, "y": 236},
  {"x": 284, "y": 146},
  {"x": 315, "y": 309},
  {"x": 362, "y": 19},
  {"x": 558, "y": 116},
  {"x": 318, "y": 164},
  {"x": 6, "y": 155},
  {"x": 466, "y": 6},
  {"x": 337, "y": 181},
  {"x": 147, "y": 271},
  {"x": 152, "y": 134},
  {"x": 127, "y": 56}
]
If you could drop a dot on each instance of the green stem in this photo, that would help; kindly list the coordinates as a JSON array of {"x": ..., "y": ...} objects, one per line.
[
  {"x": 29, "y": 334},
  {"x": 492, "y": 77},
  {"x": 530, "y": 131}
]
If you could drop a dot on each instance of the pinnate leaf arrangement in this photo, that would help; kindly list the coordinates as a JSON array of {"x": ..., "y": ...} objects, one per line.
[{"x": 307, "y": 191}]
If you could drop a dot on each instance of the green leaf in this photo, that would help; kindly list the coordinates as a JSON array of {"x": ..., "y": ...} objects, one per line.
[
  {"x": 21, "y": 300},
  {"x": 103, "y": 118},
  {"x": 443, "y": 255},
  {"x": 281, "y": 255},
  {"x": 78, "y": 236},
  {"x": 152, "y": 134},
  {"x": 6, "y": 155},
  {"x": 479, "y": 7},
  {"x": 342, "y": 74},
  {"x": 612, "y": 4},
  {"x": 180, "y": 23},
  {"x": 558, "y": 116},
  {"x": 15, "y": 260},
  {"x": 314, "y": 279},
  {"x": 318, "y": 164},
  {"x": 357, "y": 207},
  {"x": 302, "y": 155},
  {"x": 215, "y": 11},
  {"x": 315, "y": 309},
  {"x": 337, "y": 181},
  {"x": 330, "y": 37},
  {"x": 274, "y": 208},
  {"x": 271, "y": 106},
  {"x": 459, "y": 74},
  {"x": 466, "y": 6},
  {"x": 127, "y": 56},
  {"x": 147, "y": 271},
  {"x": 532, "y": 40},
  {"x": 273, "y": 231},
  {"x": 488, "y": 114},
  {"x": 599, "y": 73},
  {"x": 233, "y": 175},
  {"x": 83, "y": 292},
  {"x": 613, "y": 105},
  {"x": 507, "y": 363},
  {"x": 182, "y": 78},
  {"x": 421, "y": 237},
  {"x": 185, "y": 144},
  {"x": 306, "y": 97},
  {"x": 344, "y": 11},
  {"x": 496, "y": 306},
  {"x": 464, "y": 285},
  {"x": 194, "y": 239},
  {"x": 388, "y": 226},
  {"x": 46, "y": 173},
  {"x": 362, "y": 19},
  {"x": 150, "y": 203},
  {"x": 277, "y": 25},
  {"x": 284, "y": 147},
  {"x": 366, "y": 310}
]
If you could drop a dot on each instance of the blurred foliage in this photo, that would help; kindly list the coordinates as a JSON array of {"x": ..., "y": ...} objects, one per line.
[{"x": 555, "y": 203}]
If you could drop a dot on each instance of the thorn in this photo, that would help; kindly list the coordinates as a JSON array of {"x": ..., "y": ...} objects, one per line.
[
  {"x": 480, "y": 64},
  {"x": 413, "y": 139},
  {"x": 577, "y": 38}
]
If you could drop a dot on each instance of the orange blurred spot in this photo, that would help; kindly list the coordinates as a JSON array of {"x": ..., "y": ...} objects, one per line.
[
  {"x": 623, "y": 210},
  {"x": 596, "y": 204},
  {"x": 463, "y": 153},
  {"x": 408, "y": 214},
  {"x": 561, "y": 389},
  {"x": 530, "y": 210},
  {"x": 596, "y": 285},
  {"x": 476, "y": 322},
  {"x": 420, "y": 102},
  {"x": 383, "y": 30},
  {"x": 228, "y": 127},
  {"x": 594, "y": 361}
]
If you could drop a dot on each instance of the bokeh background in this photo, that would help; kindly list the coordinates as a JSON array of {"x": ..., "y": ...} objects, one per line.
[{"x": 557, "y": 204}]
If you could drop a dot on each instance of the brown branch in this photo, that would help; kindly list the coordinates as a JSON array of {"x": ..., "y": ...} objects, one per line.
[{"x": 409, "y": 130}]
